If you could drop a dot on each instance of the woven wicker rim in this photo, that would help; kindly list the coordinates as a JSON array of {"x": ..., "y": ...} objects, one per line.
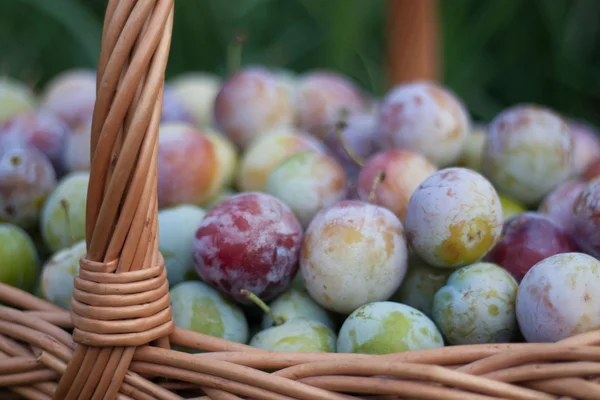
[{"x": 121, "y": 319}]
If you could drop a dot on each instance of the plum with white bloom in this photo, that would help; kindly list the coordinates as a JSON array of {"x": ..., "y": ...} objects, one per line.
[
  {"x": 559, "y": 297},
  {"x": 454, "y": 218},
  {"x": 424, "y": 118},
  {"x": 529, "y": 151},
  {"x": 353, "y": 253}
]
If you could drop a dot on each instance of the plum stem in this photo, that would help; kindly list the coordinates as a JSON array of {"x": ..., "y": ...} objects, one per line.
[
  {"x": 339, "y": 129},
  {"x": 263, "y": 306},
  {"x": 64, "y": 203},
  {"x": 379, "y": 177},
  {"x": 234, "y": 53}
]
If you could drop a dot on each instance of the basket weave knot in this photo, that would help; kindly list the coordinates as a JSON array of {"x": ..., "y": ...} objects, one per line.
[{"x": 112, "y": 308}]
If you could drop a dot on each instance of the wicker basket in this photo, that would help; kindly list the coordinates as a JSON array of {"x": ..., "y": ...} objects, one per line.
[{"x": 115, "y": 343}]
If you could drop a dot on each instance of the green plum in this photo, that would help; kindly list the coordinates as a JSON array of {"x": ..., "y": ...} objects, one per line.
[
  {"x": 386, "y": 327},
  {"x": 297, "y": 335},
  {"x": 19, "y": 261},
  {"x": 58, "y": 273},
  {"x": 15, "y": 97},
  {"x": 477, "y": 305},
  {"x": 294, "y": 304},
  {"x": 298, "y": 282},
  {"x": 201, "y": 308},
  {"x": 420, "y": 284},
  {"x": 510, "y": 208},
  {"x": 63, "y": 214},
  {"x": 307, "y": 182},
  {"x": 177, "y": 227}
]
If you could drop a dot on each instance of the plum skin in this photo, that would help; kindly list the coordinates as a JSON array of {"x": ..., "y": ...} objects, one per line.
[
  {"x": 39, "y": 129},
  {"x": 585, "y": 219},
  {"x": 449, "y": 227},
  {"x": 558, "y": 205},
  {"x": 404, "y": 172},
  {"x": 417, "y": 114},
  {"x": 249, "y": 241},
  {"x": 353, "y": 253},
  {"x": 528, "y": 152},
  {"x": 527, "y": 239},
  {"x": 557, "y": 298}
]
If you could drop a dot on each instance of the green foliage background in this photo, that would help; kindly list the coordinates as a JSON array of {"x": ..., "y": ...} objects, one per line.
[{"x": 496, "y": 52}]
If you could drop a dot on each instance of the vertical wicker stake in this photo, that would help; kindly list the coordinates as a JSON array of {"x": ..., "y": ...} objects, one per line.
[
  {"x": 121, "y": 297},
  {"x": 412, "y": 41}
]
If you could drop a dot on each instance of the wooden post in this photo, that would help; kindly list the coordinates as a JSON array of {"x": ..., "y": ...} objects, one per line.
[{"x": 412, "y": 42}]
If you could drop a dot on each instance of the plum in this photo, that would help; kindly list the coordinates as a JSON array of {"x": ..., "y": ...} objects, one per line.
[
  {"x": 15, "y": 98},
  {"x": 529, "y": 151},
  {"x": 558, "y": 205},
  {"x": 454, "y": 218},
  {"x": 76, "y": 156},
  {"x": 288, "y": 80},
  {"x": 559, "y": 298},
  {"x": 527, "y": 239},
  {"x": 71, "y": 96},
  {"x": 26, "y": 180},
  {"x": 174, "y": 108},
  {"x": 320, "y": 97},
  {"x": 592, "y": 171},
  {"x": 297, "y": 336},
  {"x": 226, "y": 154},
  {"x": 586, "y": 224},
  {"x": 58, "y": 273},
  {"x": 424, "y": 118},
  {"x": 298, "y": 282},
  {"x": 177, "y": 227},
  {"x": 249, "y": 241},
  {"x": 293, "y": 304},
  {"x": 353, "y": 253},
  {"x": 200, "y": 308},
  {"x": 197, "y": 91},
  {"x": 249, "y": 104},
  {"x": 62, "y": 221},
  {"x": 586, "y": 145},
  {"x": 19, "y": 260},
  {"x": 472, "y": 150},
  {"x": 404, "y": 172},
  {"x": 181, "y": 180},
  {"x": 267, "y": 152},
  {"x": 38, "y": 129},
  {"x": 386, "y": 327},
  {"x": 477, "y": 305},
  {"x": 358, "y": 135},
  {"x": 510, "y": 208},
  {"x": 420, "y": 284},
  {"x": 308, "y": 182}
]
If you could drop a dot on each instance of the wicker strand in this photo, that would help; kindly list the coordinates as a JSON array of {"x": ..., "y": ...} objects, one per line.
[{"x": 508, "y": 371}]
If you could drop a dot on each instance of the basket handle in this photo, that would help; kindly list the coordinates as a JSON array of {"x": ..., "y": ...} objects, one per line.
[{"x": 121, "y": 299}]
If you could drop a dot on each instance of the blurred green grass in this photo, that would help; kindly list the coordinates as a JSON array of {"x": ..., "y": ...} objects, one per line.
[{"x": 495, "y": 53}]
